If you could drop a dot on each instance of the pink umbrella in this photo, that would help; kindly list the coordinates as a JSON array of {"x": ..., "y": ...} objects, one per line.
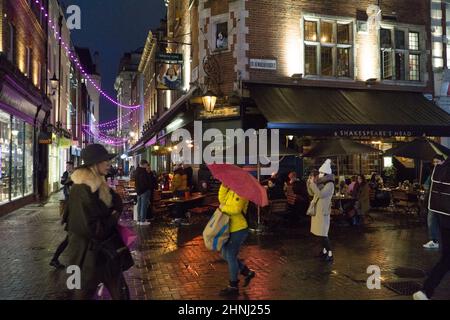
[{"x": 241, "y": 182}]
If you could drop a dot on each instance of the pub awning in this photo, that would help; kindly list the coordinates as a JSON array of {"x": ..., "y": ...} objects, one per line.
[{"x": 345, "y": 112}]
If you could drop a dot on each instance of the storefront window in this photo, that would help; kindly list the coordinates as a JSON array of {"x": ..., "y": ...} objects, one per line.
[
  {"x": 28, "y": 159},
  {"x": 5, "y": 137},
  {"x": 17, "y": 154}
]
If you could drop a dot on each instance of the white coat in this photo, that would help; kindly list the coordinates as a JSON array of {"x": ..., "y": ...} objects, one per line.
[{"x": 320, "y": 222}]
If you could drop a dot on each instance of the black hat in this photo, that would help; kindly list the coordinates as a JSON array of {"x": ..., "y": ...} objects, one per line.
[{"x": 95, "y": 153}]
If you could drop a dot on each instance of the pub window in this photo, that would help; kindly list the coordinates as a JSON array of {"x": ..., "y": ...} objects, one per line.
[
  {"x": 311, "y": 30},
  {"x": 400, "y": 55},
  {"x": 414, "y": 67},
  {"x": 413, "y": 41},
  {"x": 310, "y": 60},
  {"x": 329, "y": 54}
]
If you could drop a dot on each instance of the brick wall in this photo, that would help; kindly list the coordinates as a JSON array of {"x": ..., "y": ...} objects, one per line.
[
  {"x": 29, "y": 34},
  {"x": 275, "y": 29}
]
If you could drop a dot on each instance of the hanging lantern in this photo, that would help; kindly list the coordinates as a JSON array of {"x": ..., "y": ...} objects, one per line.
[{"x": 209, "y": 101}]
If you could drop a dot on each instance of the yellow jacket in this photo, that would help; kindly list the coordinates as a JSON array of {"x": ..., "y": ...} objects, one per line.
[
  {"x": 234, "y": 206},
  {"x": 179, "y": 183}
]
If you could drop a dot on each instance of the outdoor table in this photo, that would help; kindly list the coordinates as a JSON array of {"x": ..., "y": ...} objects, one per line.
[
  {"x": 341, "y": 202},
  {"x": 184, "y": 204}
]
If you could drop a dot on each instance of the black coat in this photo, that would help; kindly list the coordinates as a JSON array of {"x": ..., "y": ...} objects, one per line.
[
  {"x": 90, "y": 220},
  {"x": 145, "y": 181},
  {"x": 439, "y": 200}
]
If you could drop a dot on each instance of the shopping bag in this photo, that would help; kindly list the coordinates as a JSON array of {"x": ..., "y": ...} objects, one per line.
[
  {"x": 128, "y": 236},
  {"x": 217, "y": 231}
]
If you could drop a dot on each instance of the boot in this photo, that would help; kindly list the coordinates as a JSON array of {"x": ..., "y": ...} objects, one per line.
[
  {"x": 248, "y": 274},
  {"x": 231, "y": 290}
]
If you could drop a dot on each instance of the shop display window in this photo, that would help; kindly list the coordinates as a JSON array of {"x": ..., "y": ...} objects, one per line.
[{"x": 5, "y": 138}]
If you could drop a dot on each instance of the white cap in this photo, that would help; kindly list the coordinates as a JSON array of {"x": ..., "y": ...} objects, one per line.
[{"x": 326, "y": 167}]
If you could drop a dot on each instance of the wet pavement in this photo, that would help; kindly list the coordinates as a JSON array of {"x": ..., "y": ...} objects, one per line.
[{"x": 172, "y": 262}]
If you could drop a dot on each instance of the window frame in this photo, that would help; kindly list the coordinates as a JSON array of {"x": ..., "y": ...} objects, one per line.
[
  {"x": 334, "y": 45},
  {"x": 215, "y": 20},
  {"x": 407, "y": 52}
]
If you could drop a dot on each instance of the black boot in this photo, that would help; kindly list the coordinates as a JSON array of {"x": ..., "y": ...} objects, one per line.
[
  {"x": 55, "y": 263},
  {"x": 231, "y": 290},
  {"x": 248, "y": 274}
]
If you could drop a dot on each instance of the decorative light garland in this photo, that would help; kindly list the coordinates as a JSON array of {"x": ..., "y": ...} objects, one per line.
[{"x": 77, "y": 62}]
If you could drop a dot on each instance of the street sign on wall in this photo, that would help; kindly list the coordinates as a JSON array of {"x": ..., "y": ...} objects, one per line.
[{"x": 265, "y": 64}]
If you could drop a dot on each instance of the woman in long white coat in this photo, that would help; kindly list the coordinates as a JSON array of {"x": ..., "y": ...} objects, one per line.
[{"x": 321, "y": 188}]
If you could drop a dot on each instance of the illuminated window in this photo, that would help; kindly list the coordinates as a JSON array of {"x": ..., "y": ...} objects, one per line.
[
  {"x": 330, "y": 54},
  {"x": 414, "y": 67},
  {"x": 343, "y": 62},
  {"x": 400, "y": 60},
  {"x": 310, "y": 60},
  {"x": 311, "y": 30},
  {"x": 343, "y": 33},
  {"x": 326, "y": 32},
  {"x": 326, "y": 58},
  {"x": 413, "y": 41}
]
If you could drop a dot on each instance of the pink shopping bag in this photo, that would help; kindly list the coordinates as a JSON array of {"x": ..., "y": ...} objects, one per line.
[{"x": 128, "y": 236}]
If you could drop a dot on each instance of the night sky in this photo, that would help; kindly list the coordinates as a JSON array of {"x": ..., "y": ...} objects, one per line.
[{"x": 113, "y": 27}]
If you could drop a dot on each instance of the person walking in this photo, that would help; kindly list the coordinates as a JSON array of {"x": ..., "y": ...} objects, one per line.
[
  {"x": 93, "y": 211},
  {"x": 144, "y": 190},
  {"x": 67, "y": 182},
  {"x": 235, "y": 207},
  {"x": 439, "y": 203},
  {"x": 321, "y": 187},
  {"x": 65, "y": 179},
  {"x": 153, "y": 187},
  {"x": 433, "y": 218},
  {"x": 179, "y": 187}
]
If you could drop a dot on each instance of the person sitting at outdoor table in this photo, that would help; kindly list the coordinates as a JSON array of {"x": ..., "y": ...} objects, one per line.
[
  {"x": 275, "y": 188},
  {"x": 352, "y": 184},
  {"x": 297, "y": 197},
  {"x": 343, "y": 188},
  {"x": 362, "y": 195}
]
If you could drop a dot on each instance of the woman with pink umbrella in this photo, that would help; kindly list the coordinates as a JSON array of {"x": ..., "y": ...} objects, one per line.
[{"x": 237, "y": 189}]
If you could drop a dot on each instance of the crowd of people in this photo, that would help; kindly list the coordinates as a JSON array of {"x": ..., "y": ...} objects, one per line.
[{"x": 92, "y": 210}]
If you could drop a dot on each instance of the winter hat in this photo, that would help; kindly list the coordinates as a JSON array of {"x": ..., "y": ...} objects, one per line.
[
  {"x": 326, "y": 167},
  {"x": 95, "y": 153}
]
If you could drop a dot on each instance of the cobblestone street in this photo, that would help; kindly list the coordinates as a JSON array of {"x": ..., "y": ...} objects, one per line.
[{"x": 172, "y": 263}]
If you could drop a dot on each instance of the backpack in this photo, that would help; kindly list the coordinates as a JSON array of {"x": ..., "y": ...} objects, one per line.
[{"x": 217, "y": 231}]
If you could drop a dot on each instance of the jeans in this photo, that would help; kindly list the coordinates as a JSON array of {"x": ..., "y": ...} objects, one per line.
[
  {"x": 443, "y": 266},
  {"x": 62, "y": 246},
  {"x": 433, "y": 226},
  {"x": 230, "y": 252},
  {"x": 143, "y": 203}
]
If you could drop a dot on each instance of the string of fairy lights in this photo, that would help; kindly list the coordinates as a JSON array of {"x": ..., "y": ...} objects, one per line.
[{"x": 99, "y": 130}]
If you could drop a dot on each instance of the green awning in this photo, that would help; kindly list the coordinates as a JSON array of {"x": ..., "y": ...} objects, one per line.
[{"x": 339, "y": 112}]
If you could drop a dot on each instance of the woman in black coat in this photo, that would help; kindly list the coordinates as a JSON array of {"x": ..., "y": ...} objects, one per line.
[{"x": 93, "y": 211}]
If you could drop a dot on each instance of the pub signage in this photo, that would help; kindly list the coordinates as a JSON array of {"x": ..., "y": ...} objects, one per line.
[{"x": 373, "y": 133}]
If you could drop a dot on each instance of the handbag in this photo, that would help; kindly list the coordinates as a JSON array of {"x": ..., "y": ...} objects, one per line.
[
  {"x": 312, "y": 207},
  {"x": 115, "y": 252},
  {"x": 217, "y": 231}
]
